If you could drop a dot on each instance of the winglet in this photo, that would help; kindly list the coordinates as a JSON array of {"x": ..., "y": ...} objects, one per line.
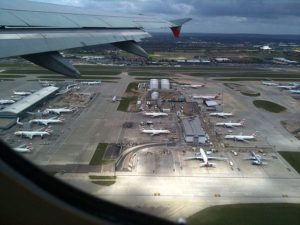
[{"x": 177, "y": 26}]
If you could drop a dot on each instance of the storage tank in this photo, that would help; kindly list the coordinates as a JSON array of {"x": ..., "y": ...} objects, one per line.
[
  {"x": 153, "y": 84},
  {"x": 165, "y": 84},
  {"x": 154, "y": 95}
]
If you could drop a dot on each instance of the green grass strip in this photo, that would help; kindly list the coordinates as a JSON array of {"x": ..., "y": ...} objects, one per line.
[
  {"x": 125, "y": 102},
  {"x": 269, "y": 106},
  {"x": 293, "y": 158},
  {"x": 247, "y": 214},
  {"x": 98, "y": 155},
  {"x": 104, "y": 183}
]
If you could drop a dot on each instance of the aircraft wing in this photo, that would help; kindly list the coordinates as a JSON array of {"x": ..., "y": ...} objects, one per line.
[
  {"x": 216, "y": 158},
  {"x": 38, "y": 31},
  {"x": 193, "y": 157},
  {"x": 44, "y": 123}
]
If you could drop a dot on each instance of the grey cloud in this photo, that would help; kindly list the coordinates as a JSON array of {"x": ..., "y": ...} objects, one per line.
[{"x": 229, "y": 16}]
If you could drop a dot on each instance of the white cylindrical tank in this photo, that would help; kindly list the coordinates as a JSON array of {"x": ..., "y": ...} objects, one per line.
[
  {"x": 154, "y": 95},
  {"x": 165, "y": 84},
  {"x": 153, "y": 84}
]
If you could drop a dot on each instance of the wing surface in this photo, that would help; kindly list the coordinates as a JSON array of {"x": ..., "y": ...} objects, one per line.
[{"x": 38, "y": 31}]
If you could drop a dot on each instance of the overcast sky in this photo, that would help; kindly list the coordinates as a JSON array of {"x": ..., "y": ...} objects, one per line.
[{"x": 210, "y": 16}]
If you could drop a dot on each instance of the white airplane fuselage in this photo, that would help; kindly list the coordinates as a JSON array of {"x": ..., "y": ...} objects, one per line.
[
  {"x": 221, "y": 114},
  {"x": 58, "y": 110},
  {"x": 6, "y": 101},
  {"x": 287, "y": 87},
  {"x": 240, "y": 137},
  {"x": 294, "y": 91},
  {"x": 91, "y": 82},
  {"x": 23, "y": 149},
  {"x": 155, "y": 114},
  {"x": 31, "y": 134},
  {"x": 22, "y": 93},
  {"x": 46, "y": 121},
  {"x": 230, "y": 124},
  {"x": 194, "y": 85},
  {"x": 155, "y": 132},
  {"x": 270, "y": 84},
  {"x": 206, "y": 97}
]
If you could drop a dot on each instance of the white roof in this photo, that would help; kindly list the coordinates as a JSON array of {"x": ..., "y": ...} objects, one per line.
[{"x": 28, "y": 101}]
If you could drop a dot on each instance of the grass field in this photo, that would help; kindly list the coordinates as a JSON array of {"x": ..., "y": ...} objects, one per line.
[
  {"x": 82, "y": 77},
  {"x": 293, "y": 158},
  {"x": 269, "y": 106},
  {"x": 255, "y": 79},
  {"x": 147, "y": 74},
  {"x": 132, "y": 86},
  {"x": 8, "y": 76},
  {"x": 125, "y": 102},
  {"x": 102, "y": 177},
  {"x": 98, "y": 155},
  {"x": 250, "y": 94},
  {"x": 104, "y": 182},
  {"x": 248, "y": 214}
]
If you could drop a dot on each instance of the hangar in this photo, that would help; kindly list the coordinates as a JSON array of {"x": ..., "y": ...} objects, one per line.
[{"x": 193, "y": 131}]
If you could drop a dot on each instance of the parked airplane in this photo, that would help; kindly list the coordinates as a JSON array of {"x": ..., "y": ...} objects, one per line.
[
  {"x": 221, "y": 114},
  {"x": 241, "y": 137},
  {"x": 31, "y": 134},
  {"x": 115, "y": 98},
  {"x": 288, "y": 87},
  {"x": 205, "y": 158},
  {"x": 47, "y": 121},
  {"x": 257, "y": 159},
  {"x": 46, "y": 83},
  {"x": 71, "y": 27},
  {"x": 231, "y": 124},
  {"x": 91, "y": 82},
  {"x": 58, "y": 111},
  {"x": 193, "y": 85},
  {"x": 207, "y": 97},
  {"x": 6, "y": 101},
  {"x": 269, "y": 83},
  {"x": 265, "y": 47},
  {"x": 23, "y": 148},
  {"x": 22, "y": 93},
  {"x": 153, "y": 132},
  {"x": 294, "y": 91},
  {"x": 155, "y": 114}
]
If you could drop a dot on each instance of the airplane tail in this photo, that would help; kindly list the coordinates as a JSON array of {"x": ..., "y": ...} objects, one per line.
[
  {"x": 18, "y": 121},
  {"x": 177, "y": 24},
  {"x": 255, "y": 134},
  {"x": 207, "y": 164},
  {"x": 29, "y": 146},
  {"x": 49, "y": 130},
  {"x": 242, "y": 121}
]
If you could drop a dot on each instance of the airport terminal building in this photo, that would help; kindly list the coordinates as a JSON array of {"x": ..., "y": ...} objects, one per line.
[
  {"x": 193, "y": 131},
  {"x": 11, "y": 112}
]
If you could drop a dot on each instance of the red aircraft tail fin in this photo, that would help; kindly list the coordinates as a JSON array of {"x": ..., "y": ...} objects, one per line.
[{"x": 177, "y": 26}]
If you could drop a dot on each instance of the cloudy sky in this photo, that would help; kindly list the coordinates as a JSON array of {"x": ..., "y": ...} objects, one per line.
[{"x": 210, "y": 16}]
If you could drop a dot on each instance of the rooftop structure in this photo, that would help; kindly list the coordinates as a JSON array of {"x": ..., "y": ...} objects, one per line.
[
  {"x": 153, "y": 84},
  {"x": 165, "y": 84},
  {"x": 25, "y": 103},
  {"x": 211, "y": 103},
  {"x": 193, "y": 131}
]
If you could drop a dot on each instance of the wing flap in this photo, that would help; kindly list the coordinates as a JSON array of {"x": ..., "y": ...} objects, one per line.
[{"x": 24, "y": 42}]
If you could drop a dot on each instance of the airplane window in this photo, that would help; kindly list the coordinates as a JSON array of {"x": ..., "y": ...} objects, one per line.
[{"x": 183, "y": 110}]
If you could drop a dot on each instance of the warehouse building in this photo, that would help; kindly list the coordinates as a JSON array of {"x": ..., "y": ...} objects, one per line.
[{"x": 193, "y": 131}]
